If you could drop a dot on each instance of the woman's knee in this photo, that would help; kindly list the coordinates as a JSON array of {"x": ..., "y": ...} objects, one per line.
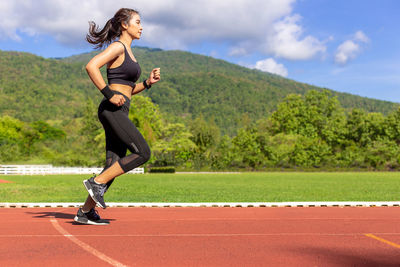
[
  {"x": 146, "y": 154},
  {"x": 134, "y": 160}
]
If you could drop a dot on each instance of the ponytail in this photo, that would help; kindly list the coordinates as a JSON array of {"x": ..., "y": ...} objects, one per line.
[{"x": 111, "y": 30}]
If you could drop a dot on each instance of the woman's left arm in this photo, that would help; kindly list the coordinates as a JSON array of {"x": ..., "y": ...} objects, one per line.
[{"x": 154, "y": 77}]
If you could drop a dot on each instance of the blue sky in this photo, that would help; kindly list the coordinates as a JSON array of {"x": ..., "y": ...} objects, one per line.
[{"x": 345, "y": 45}]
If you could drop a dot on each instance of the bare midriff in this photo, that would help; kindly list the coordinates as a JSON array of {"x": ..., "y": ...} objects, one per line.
[{"x": 122, "y": 88}]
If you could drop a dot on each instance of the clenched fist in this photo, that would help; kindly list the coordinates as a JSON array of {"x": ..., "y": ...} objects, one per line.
[{"x": 155, "y": 76}]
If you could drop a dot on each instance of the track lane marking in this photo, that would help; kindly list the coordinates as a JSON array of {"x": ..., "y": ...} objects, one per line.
[
  {"x": 258, "y": 219},
  {"x": 85, "y": 246},
  {"x": 233, "y": 219},
  {"x": 203, "y": 235},
  {"x": 383, "y": 240}
]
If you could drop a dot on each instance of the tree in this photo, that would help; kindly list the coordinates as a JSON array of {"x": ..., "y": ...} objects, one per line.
[
  {"x": 247, "y": 149},
  {"x": 317, "y": 114},
  {"x": 174, "y": 146},
  {"x": 223, "y": 155},
  {"x": 146, "y": 117},
  {"x": 47, "y": 132},
  {"x": 392, "y": 126},
  {"x": 365, "y": 128},
  {"x": 11, "y": 130},
  {"x": 204, "y": 134},
  {"x": 310, "y": 152},
  {"x": 92, "y": 130},
  {"x": 11, "y": 138}
]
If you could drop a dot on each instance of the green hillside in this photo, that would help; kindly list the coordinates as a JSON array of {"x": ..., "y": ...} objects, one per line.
[{"x": 35, "y": 88}]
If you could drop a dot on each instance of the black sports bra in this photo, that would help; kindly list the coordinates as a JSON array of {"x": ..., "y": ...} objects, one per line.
[{"x": 127, "y": 73}]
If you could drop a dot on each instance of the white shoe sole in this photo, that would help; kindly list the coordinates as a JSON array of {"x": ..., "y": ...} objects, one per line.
[{"x": 76, "y": 219}]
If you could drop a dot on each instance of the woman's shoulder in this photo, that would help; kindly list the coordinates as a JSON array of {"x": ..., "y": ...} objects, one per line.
[
  {"x": 118, "y": 46},
  {"x": 113, "y": 50}
]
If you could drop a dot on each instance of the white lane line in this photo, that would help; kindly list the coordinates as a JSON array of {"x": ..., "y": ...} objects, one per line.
[
  {"x": 259, "y": 219},
  {"x": 205, "y": 235},
  {"x": 236, "y": 219},
  {"x": 85, "y": 246}
]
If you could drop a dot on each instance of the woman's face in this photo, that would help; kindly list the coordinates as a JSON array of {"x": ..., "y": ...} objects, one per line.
[{"x": 135, "y": 27}]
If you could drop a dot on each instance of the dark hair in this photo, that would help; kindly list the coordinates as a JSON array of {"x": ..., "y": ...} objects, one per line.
[{"x": 111, "y": 30}]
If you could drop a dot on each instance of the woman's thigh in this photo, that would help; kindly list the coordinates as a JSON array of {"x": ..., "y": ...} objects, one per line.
[{"x": 119, "y": 126}]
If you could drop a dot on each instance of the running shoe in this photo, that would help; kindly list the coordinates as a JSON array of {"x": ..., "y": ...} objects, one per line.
[
  {"x": 92, "y": 217},
  {"x": 96, "y": 191}
]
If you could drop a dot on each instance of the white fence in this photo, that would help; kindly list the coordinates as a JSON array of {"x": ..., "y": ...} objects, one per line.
[{"x": 50, "y": 169}]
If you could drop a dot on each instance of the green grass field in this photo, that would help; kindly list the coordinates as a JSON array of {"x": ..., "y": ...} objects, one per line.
[{"x": 243, "y": 187}]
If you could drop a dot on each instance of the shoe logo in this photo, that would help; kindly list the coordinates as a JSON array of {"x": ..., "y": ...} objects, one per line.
[{"x": 103, "y": 190}]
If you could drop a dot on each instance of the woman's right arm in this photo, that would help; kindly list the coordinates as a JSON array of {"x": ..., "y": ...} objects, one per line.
[{"x": 94, "y": 65}]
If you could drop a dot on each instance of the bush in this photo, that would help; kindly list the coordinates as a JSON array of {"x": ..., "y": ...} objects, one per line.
[{"x": 162, "y": 169}]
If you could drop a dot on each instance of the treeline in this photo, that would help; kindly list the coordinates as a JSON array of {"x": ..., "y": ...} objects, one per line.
[{"x": 310, "y": 131}]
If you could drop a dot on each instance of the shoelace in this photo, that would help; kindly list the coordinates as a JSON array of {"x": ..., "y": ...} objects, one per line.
[
  {"x": 94, "y": 213},
  {"x": 103, "y": 190}
]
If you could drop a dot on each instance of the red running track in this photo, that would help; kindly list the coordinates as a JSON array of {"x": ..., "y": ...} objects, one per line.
[{"x": 351, "y": 236}]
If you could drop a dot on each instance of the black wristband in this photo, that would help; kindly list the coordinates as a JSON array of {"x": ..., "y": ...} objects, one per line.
[
  {"x": 146, "y": 85},
  {"x": 106, "y": 91}
]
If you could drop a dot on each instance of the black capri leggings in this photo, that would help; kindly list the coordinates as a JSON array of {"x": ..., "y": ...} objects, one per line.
[{"x": 122, "y": 134}]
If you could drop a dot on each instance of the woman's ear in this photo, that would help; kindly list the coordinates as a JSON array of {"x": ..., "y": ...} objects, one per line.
[{"x": 124, "y": 25}]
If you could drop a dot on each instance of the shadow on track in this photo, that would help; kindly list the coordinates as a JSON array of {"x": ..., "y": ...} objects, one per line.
[
  {"x": 51, "y": 214},
  {"x": 57, "y": 215},
  {"x": 342, "y": 257}
]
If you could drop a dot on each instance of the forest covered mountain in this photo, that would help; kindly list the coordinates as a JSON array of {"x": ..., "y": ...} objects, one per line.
[{"x": 35, "y": 88}]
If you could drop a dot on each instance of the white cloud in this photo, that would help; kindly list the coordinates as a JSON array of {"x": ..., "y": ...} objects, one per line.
[
  {"x": 268, "y": 27},
  {"x": 350, "y": 49},
  {"x": 361, "y": 37},
  {"x": 270, "y": 65},
  {"x": 286, "y": 41},
  {"x": 235, "y": 22},
  {"x": 346, "y": 51},
  {"x": 166, "y": 23},
  {"x": 7, "y": 24},
  {"x": 66, "y": 21}
]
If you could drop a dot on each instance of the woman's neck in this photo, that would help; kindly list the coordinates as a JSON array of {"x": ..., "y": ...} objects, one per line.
[{"x": 126, "y": 39}]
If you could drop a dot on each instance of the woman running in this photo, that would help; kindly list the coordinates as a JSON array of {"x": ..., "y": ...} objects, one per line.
[{"x": 121, "y": 134}]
